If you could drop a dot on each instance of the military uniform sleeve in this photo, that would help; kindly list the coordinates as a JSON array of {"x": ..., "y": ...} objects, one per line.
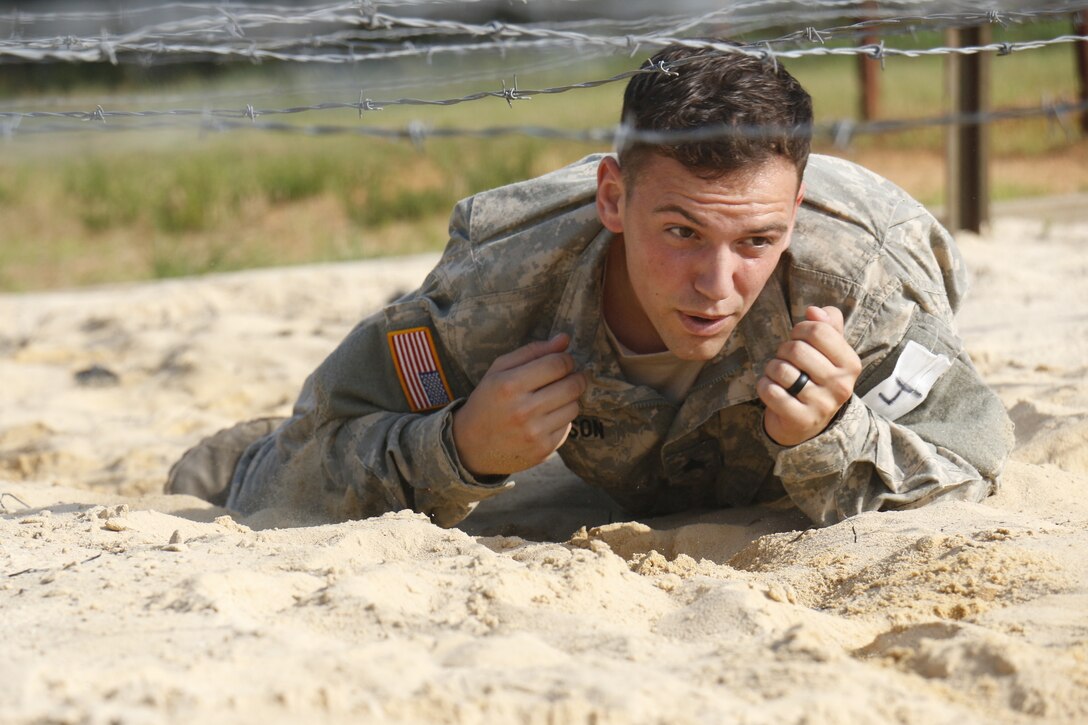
[
  {"x": 951, "y": 446},
  {"x": 353, "y": 450},
  {"x": 372, "y": 433},
  {"x": 357, "y": 445}
]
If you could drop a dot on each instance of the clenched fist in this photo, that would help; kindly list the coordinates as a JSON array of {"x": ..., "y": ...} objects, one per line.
[
  {"x": 818, "y": 347},
  {"x": 521, "y": 411}
]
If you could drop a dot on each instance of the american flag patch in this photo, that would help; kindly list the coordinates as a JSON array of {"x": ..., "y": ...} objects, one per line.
[{"x": 420, "y": 373}]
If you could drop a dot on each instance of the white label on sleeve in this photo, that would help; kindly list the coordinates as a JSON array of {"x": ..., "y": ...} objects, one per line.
[{"x": 916, "y": 371}]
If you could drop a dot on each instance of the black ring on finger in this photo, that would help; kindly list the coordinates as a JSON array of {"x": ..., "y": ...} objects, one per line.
[{"x": 798, "y": 385}]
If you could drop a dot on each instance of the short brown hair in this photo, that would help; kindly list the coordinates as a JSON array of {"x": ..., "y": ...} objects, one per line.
[{"x": 700, "y": 88}]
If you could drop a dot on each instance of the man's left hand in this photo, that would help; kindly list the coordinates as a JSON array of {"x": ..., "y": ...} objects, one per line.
[{"x": 817, "y": 347}]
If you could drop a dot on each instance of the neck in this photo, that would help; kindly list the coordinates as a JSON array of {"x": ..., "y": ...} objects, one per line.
[{"x": 622, "y": 310}]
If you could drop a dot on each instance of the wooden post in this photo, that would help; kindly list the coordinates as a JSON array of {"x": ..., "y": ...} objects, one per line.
[
  {"x": 968, "y": 197},
  {"x": 869, "y": 79},
  {"x": 1080, "y": 50}
]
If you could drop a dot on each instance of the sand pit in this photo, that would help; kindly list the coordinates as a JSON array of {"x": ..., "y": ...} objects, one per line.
[{"x": 123, "y": 605}]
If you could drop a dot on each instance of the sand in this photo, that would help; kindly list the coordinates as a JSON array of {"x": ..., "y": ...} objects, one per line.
[{"x": 123, "y": 605}]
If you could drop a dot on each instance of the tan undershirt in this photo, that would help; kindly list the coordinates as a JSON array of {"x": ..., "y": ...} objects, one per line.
[{"x": 662, "y": 371}]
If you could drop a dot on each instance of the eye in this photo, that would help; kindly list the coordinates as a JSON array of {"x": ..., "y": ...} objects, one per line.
[
  {"x": 681, "y": 231},
  {"x": 757, "y": 244}
]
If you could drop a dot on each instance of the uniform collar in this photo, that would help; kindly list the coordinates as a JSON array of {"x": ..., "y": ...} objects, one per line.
[
  {"x": 767, "y": 324},
  {"x": 581, "y": 316}
]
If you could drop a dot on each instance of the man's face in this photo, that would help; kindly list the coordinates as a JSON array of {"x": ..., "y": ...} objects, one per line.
[{"x": 691, "y": 254}]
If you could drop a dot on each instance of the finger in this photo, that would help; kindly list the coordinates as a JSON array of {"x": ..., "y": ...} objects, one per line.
[
  {"x": 559, "y": 394},
  {"x": 777, "y": 400},
  {"x": 831, "y": 315},
  {"x": 547, "y": 434},
  {"x": 823, "y": 338},
  {"x": 803, "y": 356},
  {"x": 537, "y": 374},
  {"x": 555, "y": 441},
  {"x": 558, "y": 421},
  {"x": 785, "y": 375},
  {"x": 530, "y": 352}
]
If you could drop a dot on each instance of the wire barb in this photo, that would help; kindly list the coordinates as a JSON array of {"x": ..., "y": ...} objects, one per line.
[
  {"x": 233, "y": 26},
  {"x": 877, "y": 52},
  {"x": 108, "y": 50},
  {"x": 365, "y": 104},
  {"x": 512, "y": 94},
  {"x": 663, "y": 67},
  {"x": 96, "y": 115}
]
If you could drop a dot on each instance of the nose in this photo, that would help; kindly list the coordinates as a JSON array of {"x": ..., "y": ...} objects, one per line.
[{"x": 714, "y": 273}]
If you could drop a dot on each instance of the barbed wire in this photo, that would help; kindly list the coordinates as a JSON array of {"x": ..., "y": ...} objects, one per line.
[
  {"x": 152, "y": 42},
  {"x": 439, "y": 76},
  {"x": 511, "y": 37},
  {"x": 107, "y": 51},
  {"x": 271, "y": 11},
  {"x": 887, "y": 26},
  {"x": 840, "y": 133},
  {"x": 508, "y": 93},
  {"x": 375, "y": 26},
  {"x": 25, "y": 17},
  {"x": 383, "y": 32}
]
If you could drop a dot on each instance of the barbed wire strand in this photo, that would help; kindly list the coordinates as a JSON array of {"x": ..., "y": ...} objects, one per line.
[
  {"x": 898, "y": 24},
  {"x": 369, "y": 38},
  {"x": 445, "y": 78},
  {"x": 110, "y": 52},
  {"x": 106, "y": 47},
  {"x": 539, "y": 37},
  {"x": 272, "y": 11},
  {"x": 509, "y": 94},
  {"x": 841, "y": 133}
]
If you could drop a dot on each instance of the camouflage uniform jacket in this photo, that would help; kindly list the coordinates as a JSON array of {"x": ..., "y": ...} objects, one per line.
[{"x": 524, "y": 262}]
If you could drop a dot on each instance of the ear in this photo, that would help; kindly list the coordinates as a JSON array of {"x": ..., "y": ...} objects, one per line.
[
  {"x": 610, "y": 194},
  {"x": 793, "y": 220}
]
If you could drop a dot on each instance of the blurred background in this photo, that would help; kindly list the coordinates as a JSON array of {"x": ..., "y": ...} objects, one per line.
[{"x": 148, "y": 140}]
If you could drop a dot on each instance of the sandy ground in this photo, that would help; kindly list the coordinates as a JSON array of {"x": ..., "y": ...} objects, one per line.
[{"x": 123, "y": 605}]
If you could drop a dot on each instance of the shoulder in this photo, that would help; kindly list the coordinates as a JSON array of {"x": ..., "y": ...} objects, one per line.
[
  {"x": 502, "y": 211},
  {"x": 507, "y": 266},
  {"x": 861, "y": 241},
  {"x": 840, "y": 188},
  {"x": 853, "y": 219},
  {"x": 523, "y": 234}
]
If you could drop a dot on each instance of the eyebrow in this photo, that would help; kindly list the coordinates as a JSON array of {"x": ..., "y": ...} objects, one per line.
[
  {"x": 780, "y": 228},
  {"x": 677, "y": 209}
]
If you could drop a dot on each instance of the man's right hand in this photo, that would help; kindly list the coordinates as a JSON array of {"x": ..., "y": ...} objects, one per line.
[{"x": 521, "y": 411}]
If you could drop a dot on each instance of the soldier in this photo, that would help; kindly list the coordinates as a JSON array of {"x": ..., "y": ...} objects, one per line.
[{"x": 689, "y": 324}]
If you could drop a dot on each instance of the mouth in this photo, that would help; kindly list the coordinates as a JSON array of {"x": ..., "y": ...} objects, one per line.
[{"x": 704, "y": 325}]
